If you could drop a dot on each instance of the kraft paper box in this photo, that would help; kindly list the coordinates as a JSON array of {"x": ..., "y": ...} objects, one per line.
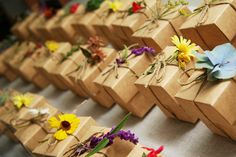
[
  {"x": 132, "y": 22},
  {"x": 30, "y": 136},
  {"x": 186, "y": 96},
  {"x": 216, "y": 100},
  {"x": 168, "y": 87},
  {"x": 18, "y": 58},
  {"x": 218, "y": 28},
  {"x": 51, "y": 63},
  {"x": 62, "y": 146},
  {"x": 85, "y": 79},
  {"x": 29, "y": 72},
  {"x": 104, "y": 24},
  {"x": 67, "y": 67},
  {"x": 159, "y": 36},
  {"x": 137, "y": 151},
  {"x": 6, "y": 118},
  {"x": 6, "y": 54},
  {"x": 84, "y": 25},
  {"x": 33, "y": 28},
  {"x": 20, "y": 29},
  {"x": 122, "y": 88},
  {"x": 64, "y": 27},
  {"x": 148, "y": 93},
  {"x": 45, "y": 26}
]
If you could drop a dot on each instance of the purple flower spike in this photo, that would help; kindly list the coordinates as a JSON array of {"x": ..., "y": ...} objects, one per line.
[{"x": 145, "y": 49}]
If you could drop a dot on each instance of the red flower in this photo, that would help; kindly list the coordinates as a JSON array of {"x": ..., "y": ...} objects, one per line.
[
  {"x": 153, "y": 152},
  {"x": 136, "y": 7},
  {"x": 74, "y": 7},
  {"x": 48, "y": 13}
]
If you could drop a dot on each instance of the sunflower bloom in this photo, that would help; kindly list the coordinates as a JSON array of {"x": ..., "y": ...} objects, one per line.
[
  {"x": 66, "y": 124},
  {"x": 184, "y": 49},
  {"x": 114, "y": 5},
  {"x": 52, "y": 46},
  {"x": 22, "y": 100}
]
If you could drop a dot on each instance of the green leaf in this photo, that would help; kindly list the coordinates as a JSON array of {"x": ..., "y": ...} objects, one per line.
[
  {"x": 144, "y": 155},
  {"x": 98, "y": 147},
  {"x": 86, "y": 53},
  {"x": 121, "y": 124},
  {"x": 3, "y": 99},
  {"x": 105, "y": 141}
]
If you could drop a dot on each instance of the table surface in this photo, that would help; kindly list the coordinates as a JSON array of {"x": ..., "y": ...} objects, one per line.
[{"x": 180, "y": 139}]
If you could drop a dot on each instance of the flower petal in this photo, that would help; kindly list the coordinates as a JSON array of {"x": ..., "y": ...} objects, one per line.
[
  {"x": 54, "y": 122},
  {"x": 60, "y": 135}
]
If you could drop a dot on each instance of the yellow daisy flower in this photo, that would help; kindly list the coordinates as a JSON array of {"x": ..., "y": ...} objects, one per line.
[
  {"x": 66, "y": 124},
  {"x": 52, "y": 46},
  {"x": 184, "y": 50},
  {"x": 114, "y": 5},
  {"x": 22, "y": 100}
]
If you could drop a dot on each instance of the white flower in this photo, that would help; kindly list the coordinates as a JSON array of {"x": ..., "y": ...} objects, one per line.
[{"x": 36, "y": 112}]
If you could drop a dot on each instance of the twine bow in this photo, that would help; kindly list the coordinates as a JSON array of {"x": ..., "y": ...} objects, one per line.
[
  {"x": 158, "y": 67},
  {"x": 119, "y": 63},
  {"x": 161, "y": 12},
  {"x": 20, "y": 123}
]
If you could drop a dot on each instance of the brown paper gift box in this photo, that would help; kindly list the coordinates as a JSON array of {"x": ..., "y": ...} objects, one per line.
[
  {"x": 7, "y": 56},
  {"x": 186, "y": 98},
  {"x": 84, "y": 25},
  {"x": 216, "y": 100},
  {"x": 137, "y": 151},
  {"x": 64, "y": 27},
  {"x": 123, "y": 89},
  {"x": 148, "y": 93},
  {"x": 103, "y": 25},
  {"x": 50, "y": 64},
  {"x": 168, "y": 87},
  {"x": 20, "y": 29},
  {"x": 17, "y": 60},
  {"x": 45, "y": 26},
  {"x": 62, "y": 146},
  {"x": 6, "y": 118},
  {"x": 159, "y": 37},
  {"x": 30, "y": 136},
  {"x": 4, "y": 70},
  {"x": 85, "y": 80},
  {"x": 67, "y": 67},
  {"x": 216, "y": 30},
  {"x": 33, "y": 28},
  {"x": 29, "y": 72},
  {"x": 132, "y": 22}
]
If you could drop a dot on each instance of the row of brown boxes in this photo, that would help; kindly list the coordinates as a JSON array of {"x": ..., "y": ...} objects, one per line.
[
  {"x": 31, "y": 134},
  {"x": 206, "y": 27},
  {"x": 213, "y": 103}
]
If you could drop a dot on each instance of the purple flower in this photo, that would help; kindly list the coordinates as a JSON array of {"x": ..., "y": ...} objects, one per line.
[
  {"x": 145, "y": 49},
  {"x": 128, "y": 136}
]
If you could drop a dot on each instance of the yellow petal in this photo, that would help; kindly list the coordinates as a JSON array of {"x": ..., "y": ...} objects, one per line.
[
  {"x": 74, "y": 126},
  {"x": 60, "y": 135},
  {"x": 54, "y": 123},
  {"x": 67, "y": 117}
]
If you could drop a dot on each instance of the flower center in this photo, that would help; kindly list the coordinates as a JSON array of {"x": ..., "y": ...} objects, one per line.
[{"x": 65, "y": 125}]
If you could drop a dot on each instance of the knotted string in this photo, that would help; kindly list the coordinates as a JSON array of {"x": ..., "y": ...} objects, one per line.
[
  {"x": 160, "y": 13},
  {"x": 204, "y": 10},
  {"x": 158, "y": 68},
  {"x": 115, "y": 66},
  {"x": 20, "y": 123}
]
